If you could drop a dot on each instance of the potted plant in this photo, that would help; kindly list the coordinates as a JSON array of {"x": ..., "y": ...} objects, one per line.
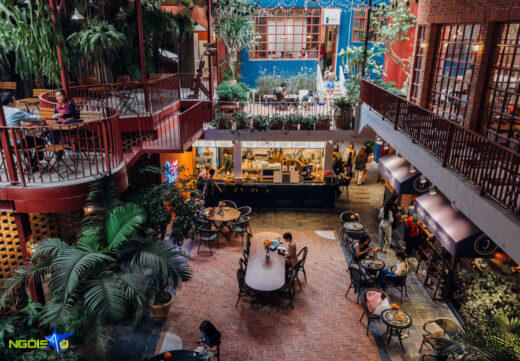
[
  {"x": 291, "y": 121},
  {"x": 231, "y": 96},
  {"x": 241, "y": 120},
  {"x": 276, "y": 122},
  {"x": 259, "y": 122},
  {"x": 307, "y": 122},
  {"x": 343, "y": 113},
  {"x": 322, "y": 122},
  {"x": 327, "y": 176},
  {"x": 222, "y": 120}
]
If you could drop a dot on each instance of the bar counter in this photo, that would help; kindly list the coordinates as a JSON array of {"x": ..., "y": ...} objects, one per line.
[{"x": 279, "y": 195}]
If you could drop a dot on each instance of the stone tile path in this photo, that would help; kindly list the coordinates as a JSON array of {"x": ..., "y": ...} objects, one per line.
[{"x": 323, "y": 325}]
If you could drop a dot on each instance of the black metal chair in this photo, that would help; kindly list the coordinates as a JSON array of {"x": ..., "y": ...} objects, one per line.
[
  {"x": 398, "y": 282},
  {"x": 242, "y": 288},
  {"x": 243, "y": 264},
  {"x": 371, "y": 316},
  {"x": 240, "y": 227},
  {"x": 245, "y": 254},
  {"x": 345, "y": 217},
  {"x": 207, "y": 236},
  {"x": 303, "y": 258},
  {"x": 288, "y": 289},
  {"x": 248, "y": 242},
  {"x": 358, "y": 281},
  {"x": 228, "y": 203},
  {"x": 297, "y": 267},
  {"x": 447, "y": 325},
  {"x": 245, "y": 211}
]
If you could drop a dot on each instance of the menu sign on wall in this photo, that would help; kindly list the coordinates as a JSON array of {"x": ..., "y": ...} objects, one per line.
[
  {"x": 264, "y": 144},
  {"x": 224, "y": 143},
  {"x": 205, "y": 143},
  {"x": 249, "y": 144},
  {"x": 283, "y": 144},
  {"x": 300, "y": 144}
]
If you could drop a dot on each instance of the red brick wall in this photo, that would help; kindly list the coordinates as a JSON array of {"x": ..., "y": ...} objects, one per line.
[{"x": 467, "y": 11}]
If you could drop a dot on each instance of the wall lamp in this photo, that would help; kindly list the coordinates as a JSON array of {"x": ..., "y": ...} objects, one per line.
[
  {"x": 423, "y": 44},
  {"x": 477, "y": 46}
]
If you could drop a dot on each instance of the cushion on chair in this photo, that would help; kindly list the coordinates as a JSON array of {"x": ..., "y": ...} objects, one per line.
[
  {"x": 374, "y": 299},
  {"x": 385, "y": 305}
]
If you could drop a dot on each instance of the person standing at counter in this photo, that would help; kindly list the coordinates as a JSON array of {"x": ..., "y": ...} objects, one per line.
[
  {"x": 210, "y": 190},
  {"x": 337, "y": 162},
  {"x": 359, "y": 165},
  {"x": 201, "y": 180},
  {"x": 228, "y": 162}
]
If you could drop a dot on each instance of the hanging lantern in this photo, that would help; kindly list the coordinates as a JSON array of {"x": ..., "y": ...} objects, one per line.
[
  {"x": 121, "y": 13},
  {"x": 77, "y": 15}
]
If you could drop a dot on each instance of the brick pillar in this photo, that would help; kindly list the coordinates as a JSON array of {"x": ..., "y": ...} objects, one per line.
[
  {"x": 475, "y": 115},
  {"x": 426, "y": 79}
]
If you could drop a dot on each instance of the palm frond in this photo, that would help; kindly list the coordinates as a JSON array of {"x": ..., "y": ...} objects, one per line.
[
  {"x": 71, "y": 267},
  {"x": 102, "y": 194},
  {"x": 28, "y": 270},
  {"x": 132, "y": 287},
  {"x": 105, "y": 298},
  {"x": 50, "y": 247},
  {"x": 121, "y": 222}
]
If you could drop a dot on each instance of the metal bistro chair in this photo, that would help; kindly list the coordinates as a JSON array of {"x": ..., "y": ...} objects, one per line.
[
  {"x": 242, "y": 264},
  {"x": 357, "y": 281},
  {"x": 371, "y": 316},
  {"x": 207, "y": 236},
  {"x": 245, "y": 211},
  {"x": 240, "y": 227},
  {"x": 447, "y": 325},
  {"x": 345, "y": 217},
  {"x": 228, "y": 203},
  {"x": 288, "y": 289},
  {"x": 242, "y": 287},
  {"x": 303, "y": 252},
  {"x": 245, "y": 254},
  {"x": 398, "y": 282},
  {"x": 248, "y": 243}
]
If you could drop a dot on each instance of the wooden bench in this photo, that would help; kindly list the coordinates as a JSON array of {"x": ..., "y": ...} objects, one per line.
[{"x": 10, "y": 86}]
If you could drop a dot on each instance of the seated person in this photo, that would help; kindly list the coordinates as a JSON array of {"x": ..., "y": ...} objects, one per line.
[
  {"x": 64, "y": 113},
  {"x": 361, "y": 249},
  {"x": 209, "y": 340},
  {"x": 14, "y": 118},
  {"x": 400, "y": 268},
  {"x": 280, "y": 92},
  {"x": 291, "y": 254}
]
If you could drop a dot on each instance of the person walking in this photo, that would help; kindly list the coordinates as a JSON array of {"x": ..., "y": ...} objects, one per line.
[
  {"x": 210, "y": 190},
  {"x": 359, "y": 165},
  {"x": 385, "y": 227},
  {"x": 370, "y": 158}
]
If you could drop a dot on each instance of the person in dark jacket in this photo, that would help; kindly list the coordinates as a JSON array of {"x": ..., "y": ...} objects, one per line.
[{"x": 209, "y": 339}]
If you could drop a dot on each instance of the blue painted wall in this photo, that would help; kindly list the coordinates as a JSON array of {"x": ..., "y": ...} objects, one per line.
[{"x": 252, "y": 69}]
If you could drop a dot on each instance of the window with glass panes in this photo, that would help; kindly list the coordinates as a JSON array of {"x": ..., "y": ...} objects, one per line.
[
  {"x": 454, "y": 70},
  {"x": 503, "y": 86},
  {"x": 358, "y": 25},
  {"x": 418, "y": 64},
  {"x": 287, "y": 33}
]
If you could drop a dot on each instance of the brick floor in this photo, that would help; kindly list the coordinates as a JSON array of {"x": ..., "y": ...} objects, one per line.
[{"x": 323, "y": 325}]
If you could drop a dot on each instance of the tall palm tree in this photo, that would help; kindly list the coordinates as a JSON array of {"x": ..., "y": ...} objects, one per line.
[
  {"x": 498, "y": 342},
  {"x": 95, "y": 283}
]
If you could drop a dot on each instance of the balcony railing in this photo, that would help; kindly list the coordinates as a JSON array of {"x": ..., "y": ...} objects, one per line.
[
  {"x": 493, "y": 168},
  {"x": 52, "y": 154},
  {"x": 164, "y": 92}
]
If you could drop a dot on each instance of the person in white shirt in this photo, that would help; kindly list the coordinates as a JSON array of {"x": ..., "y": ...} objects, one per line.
[
  {"x": 401, "y": 267},
  {"x": 385, "y": 227}
]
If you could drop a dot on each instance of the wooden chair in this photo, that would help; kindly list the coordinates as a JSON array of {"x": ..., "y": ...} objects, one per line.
[
  {"x": 447, "y": 325},
  {"x": 123, "y": 79},
  {"x": 398, "y": 282},
  {"x": 371, "y": 316},
  {"x": 8, "y": 86}
]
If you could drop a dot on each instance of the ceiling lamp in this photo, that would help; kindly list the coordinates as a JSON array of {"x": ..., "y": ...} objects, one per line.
[
  {"x": 412, "y": 169},
  {"x": 77, "y": 15},
  {"x": 121, "y": 13},
  {"x": 433, "y": 191},
  {"x": 422, "y": 180}
]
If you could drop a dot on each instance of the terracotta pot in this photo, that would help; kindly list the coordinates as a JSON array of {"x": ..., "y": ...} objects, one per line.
[
  {"x": 160, "y": 312},
  {"x": 226, "y": 107},
  {"x": 323, "y": 125}
]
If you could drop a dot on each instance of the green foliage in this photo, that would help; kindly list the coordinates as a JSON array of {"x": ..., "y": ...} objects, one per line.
[
  {"x": 98, "y": 39},
  {"x": 493, "y": 290},
  {"x": 266, "y": 84},
  {"x": 263, "y": 122},
  {"x": 498, "y": 340},
  {"x": 232, "y": 92},
  {"x": 95, "y": 283},
  {"x": 343, "y": 103},
  {"x": 235, "y": 26},
  {"x": 390, "y": 32},
  {"x": 28, "y": 32}
]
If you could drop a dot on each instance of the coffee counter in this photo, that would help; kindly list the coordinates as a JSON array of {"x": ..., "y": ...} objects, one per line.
[{"x": 279, "y": 195}]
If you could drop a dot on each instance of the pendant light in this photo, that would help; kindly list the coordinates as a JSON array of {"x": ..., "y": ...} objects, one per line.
[
  {"x": 77, "y": 15},
  {"x": 121, "y": 13}
]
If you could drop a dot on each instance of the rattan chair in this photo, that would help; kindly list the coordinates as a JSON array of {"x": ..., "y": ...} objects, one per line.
[
  {"x": 398, "y": 282},
  {"x": 207, "y": 236},
  {"x": 370, "y": 315},
  {"x": 240, "y": 227},
  {"x": 288, "y": 289},
  {"x": 228, "y": 203}
]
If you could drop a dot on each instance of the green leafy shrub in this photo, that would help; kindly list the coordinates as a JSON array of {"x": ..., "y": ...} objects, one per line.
[{"x": 232, "y": 92}]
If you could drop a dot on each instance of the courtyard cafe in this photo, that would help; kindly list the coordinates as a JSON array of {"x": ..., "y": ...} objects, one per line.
[{"x": 259, "y": 180}]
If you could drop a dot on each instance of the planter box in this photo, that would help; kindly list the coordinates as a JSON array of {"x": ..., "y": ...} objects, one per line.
[
  {"x": 291, "y": 126},
  {"x": 323, "y": 125},
  {"x": 227, "y": 107},
  {"x": 277, "y": 126}
]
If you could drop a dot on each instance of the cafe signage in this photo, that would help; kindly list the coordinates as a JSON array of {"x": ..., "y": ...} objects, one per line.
[
  {"x": 249, "y": 144},
  {"x": 265, "y": 144},
  {"x": 205, "y": 143},
  {"x": 224, "y": 143}
]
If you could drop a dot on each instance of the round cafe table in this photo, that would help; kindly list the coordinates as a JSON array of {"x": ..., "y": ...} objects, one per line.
[
  {"x": 228, "y": 214},
  {"x": 177, "y": 355},
  {"x": 393, "y": 326},
  {"x": 372, "y": 265},
  {"x": 263, "y": 275},
  {"x": 353, "y": 227}
]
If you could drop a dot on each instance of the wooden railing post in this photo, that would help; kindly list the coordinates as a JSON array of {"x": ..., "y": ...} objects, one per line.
[
  {"x": 396, "y": 116},
  {"x": 448, "y": 146}
]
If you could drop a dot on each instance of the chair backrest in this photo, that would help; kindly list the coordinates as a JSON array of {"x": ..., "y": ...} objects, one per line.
[
  {"x": 241, "y": 278},
  {"x": 242, "y": 264},
  {"x": 304, "y": 250},
  {"x": 248, "y": 242},
  {"x": 355, "y": 274},
  {"x": 203, "y": 223},
  {"x": 8, "y": 85},
  {"x": 245, "y": 211},
  {"x": 352, "y": 253},
  {"x": 242, "y": 222},
  {"x": 92, "y": 80},
  {"x": 245, "y": 252},
  {"x": 211, "y": 332},
  {"x": 447, "y": 324},
  {"x": 206, "y": 232},
  {"x": 364, "y": 297},
  {"x": 229, "y": 204},
  {"x": 348, "y": 216},
  {"x": 290, "y": 280},
  {"x": 398, "y": 279}
]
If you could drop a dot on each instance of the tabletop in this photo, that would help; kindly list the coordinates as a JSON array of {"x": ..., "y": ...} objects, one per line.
[
  {"x": 177, "y": 355},
  {"x": 372, "y": 264},
  {"x": 263, "y": 275},
  {"x": 353, "y": 226},
  {"x": 228, "y": 214},
  {"x": 28, "y": 100},
  {"x": 387, "y": 316}
]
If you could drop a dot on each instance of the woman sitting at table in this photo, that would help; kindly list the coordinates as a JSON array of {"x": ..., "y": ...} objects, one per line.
[
  {"x": 361, "y": 249},
  {"x": 400, "y": 268},
  {"x": 209, "y": 340},
  {"x": 291, "y": 255},
  {"x": 64, "y": 113}
]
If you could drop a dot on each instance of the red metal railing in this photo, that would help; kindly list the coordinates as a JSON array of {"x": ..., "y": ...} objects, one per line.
[
  {"x": 52, "y": 154},
  {"x": 191, "y": 121},
  {"x": 493, "y": 168},
  {"x": 193, "y": 86},
  {"x": 164, "y": 92}
]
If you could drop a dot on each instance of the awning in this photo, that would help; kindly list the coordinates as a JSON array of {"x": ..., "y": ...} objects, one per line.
[
  {"x": 453, "y": 229},
  {"x": 396, "y": 170}
]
